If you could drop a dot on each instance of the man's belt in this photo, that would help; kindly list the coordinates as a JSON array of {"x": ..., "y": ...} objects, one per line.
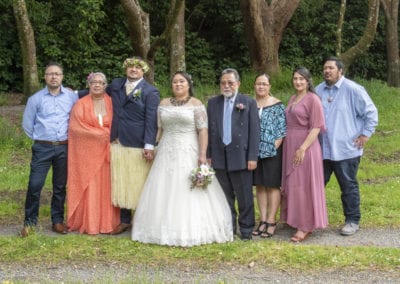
[{"x": 54, "y": 143}]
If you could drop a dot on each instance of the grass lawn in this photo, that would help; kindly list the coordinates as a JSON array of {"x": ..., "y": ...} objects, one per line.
[{"x": 379, "y": 178}]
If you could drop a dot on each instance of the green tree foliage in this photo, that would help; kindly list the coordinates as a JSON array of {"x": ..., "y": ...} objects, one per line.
[
  {"x": 310, "y": 37},
  {"x": 10, "y": 59},
  {"x": 91, "y": 35}
]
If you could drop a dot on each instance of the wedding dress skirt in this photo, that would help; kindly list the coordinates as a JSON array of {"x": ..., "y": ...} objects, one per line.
[{"x": 169, "y": 211}]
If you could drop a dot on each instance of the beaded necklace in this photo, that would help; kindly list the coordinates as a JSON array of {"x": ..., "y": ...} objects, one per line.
[{"x": 176, "y": 102}]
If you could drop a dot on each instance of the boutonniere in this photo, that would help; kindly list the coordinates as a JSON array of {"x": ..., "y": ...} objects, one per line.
[
  {"x": 136, "y": 93},
  {"x": 240, "y": 107}
]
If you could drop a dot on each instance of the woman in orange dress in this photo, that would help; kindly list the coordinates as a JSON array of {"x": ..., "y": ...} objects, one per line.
[{"x": 89, "y": 181}]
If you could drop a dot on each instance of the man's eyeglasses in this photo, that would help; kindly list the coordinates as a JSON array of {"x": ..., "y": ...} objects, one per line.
[
  {"x": 262, "y": 84},
  {"x": 97, "y": 83},
  {"x": 229, "y": 83},
  {"x": 55, "y": 74}
]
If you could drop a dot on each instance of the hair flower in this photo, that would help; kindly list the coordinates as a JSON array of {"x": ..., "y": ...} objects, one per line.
[
  {"x": 89, "y": 78},
  {"x": 240, "y": 106}
]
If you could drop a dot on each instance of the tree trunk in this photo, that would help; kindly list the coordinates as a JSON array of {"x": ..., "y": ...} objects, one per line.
[
  {"x": 177, "y": 42},
  {"x": 264, "y": 26},
  {"x": 391, "y": 9},
  {"x": 28, "y": 48},
  {"x": 139, "y": 30},
  {"x": 339, "y": 29},
  {"x": 369, "y": 33}
]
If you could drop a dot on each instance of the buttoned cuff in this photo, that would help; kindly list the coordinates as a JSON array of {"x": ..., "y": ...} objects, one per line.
[{"x": 148, "y": 147}]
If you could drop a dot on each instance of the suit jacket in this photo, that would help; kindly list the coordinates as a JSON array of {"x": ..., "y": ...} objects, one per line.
[
  {"x": 135, "y": 117},
  {"x": 245, "y": 133}
]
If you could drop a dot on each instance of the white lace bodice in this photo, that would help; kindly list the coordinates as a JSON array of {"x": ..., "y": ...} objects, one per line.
[
  {"x": 182, "y": 118},
  {"x": 180, "y": 126}
]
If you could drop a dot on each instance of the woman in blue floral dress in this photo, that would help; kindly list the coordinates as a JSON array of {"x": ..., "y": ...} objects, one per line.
[{"x": 268, "y": 175}]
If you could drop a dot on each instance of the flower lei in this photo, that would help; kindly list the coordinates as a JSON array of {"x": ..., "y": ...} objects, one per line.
[{"x": 135, "y": 61}]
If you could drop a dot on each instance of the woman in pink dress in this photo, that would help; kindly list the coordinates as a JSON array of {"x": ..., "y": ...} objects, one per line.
[{"x": 303, "y": 192}]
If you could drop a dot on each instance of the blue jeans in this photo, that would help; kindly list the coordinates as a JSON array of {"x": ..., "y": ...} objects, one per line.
[
  {"x": 43, "y": 157},
  {"x": 346, "y": 175}
]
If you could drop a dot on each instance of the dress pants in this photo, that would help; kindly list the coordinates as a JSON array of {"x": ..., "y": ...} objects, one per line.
[
  {"x": 45, "y": 156},
  {"x": 239, "y": 185},
  {"x": 126, "y": 216}
]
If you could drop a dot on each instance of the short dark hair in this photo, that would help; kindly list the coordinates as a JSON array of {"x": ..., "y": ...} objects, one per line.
[
  {"x": 339, "y": 63},
  {"x": 262, "y": 74},
  {"x": 53, "y": 63}
]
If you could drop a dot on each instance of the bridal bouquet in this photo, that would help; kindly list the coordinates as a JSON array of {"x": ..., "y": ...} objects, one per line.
[{"x": 201, "y": 176}]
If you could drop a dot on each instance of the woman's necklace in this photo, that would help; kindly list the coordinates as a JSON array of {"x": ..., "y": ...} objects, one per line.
[
  {"x": 176, "y": 102},
  {"x": 99, "y": 107}
]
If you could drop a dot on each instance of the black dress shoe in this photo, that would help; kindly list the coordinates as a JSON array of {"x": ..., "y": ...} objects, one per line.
[{"x": 246, "y": 237}]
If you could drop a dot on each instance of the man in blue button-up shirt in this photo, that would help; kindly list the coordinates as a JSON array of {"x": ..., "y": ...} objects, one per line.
[
  {"x": 45, "y": 121},
  {"x": 351, "y": 118}
]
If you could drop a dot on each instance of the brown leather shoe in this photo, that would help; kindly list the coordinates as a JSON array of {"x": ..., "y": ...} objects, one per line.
[
  {"x": 59, "y": 228},
  {"x": 120, "y": 229},
  {"x": 26, "y": 231}
]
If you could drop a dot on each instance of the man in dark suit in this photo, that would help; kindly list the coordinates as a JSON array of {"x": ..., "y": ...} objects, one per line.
[
  {"x": 234, "y": 137},
  {"x": 134, "y": 125}
]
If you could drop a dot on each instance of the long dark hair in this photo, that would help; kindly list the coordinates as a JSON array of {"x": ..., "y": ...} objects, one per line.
[
  {"x": 188, "y": 78},
  {"x": 304, "y": 72}
]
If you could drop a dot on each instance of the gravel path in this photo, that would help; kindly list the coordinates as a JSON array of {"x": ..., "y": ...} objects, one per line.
[
  {"x": 378, "y": 237},
  {"x": 116, "y": 272},
  {"x": 112, "y": 273}
]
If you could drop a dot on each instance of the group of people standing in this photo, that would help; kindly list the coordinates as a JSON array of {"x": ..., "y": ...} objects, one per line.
[{"x": 107, "y": 139}]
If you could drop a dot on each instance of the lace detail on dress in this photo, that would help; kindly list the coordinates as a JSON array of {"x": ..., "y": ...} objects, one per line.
[{"x": 200, "y": 117}]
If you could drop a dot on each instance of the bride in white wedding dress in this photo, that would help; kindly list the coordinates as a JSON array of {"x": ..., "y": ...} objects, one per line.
[{"x": 169, "y": 211}]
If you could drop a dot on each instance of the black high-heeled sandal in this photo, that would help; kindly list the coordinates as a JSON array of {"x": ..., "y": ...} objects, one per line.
[
  {"x": 258, "y": 232},
  {"x": 265, "y": 233}
]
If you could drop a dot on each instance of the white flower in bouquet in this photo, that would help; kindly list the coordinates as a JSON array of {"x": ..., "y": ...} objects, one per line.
[
  {"x": 201, "y": 176},
  {"x": 204, "y": 170}
]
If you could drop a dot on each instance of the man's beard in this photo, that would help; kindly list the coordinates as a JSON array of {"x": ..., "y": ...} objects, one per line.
[{"x": 227, "y": 94}]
